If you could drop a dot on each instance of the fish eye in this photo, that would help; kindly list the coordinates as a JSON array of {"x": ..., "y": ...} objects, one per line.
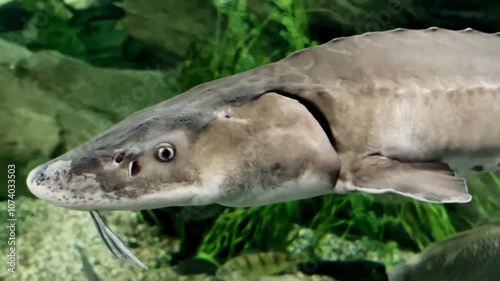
[{"x": 165, "y": 152}]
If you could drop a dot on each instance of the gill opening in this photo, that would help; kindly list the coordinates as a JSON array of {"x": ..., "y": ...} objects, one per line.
[{"x": 314, "y": 110}]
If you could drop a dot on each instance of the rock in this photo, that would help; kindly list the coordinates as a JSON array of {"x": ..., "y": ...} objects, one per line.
[
  {"x": 336, "y": 257},
  {"x": 170, "y": 26},
  {"x": 52, "y": 103},
  {"x": 10, "y": 53},
  {"x": 333, "y": 248}
]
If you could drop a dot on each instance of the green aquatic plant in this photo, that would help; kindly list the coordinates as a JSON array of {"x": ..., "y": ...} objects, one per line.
[
  {"x": 247, "y": 229},
  {"x": 243, "y": 40},
  {"x": 327, "y": 218},
  {"x": 50, "y": 28},
  {"x": 485, "y": 206},
  {"x": 486, "y": 191},
  {"x": 426, "y": 223},
  {"x": 361, "y": 215},
  {"x": 353, "y": 216},
  {"x": 233, "y": 49},
  {"x": 293, "y": 18}
]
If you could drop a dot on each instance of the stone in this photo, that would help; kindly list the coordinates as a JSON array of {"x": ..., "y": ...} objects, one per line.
[
  {"x": 331, "y": 247},
  {"x": 169, "y": 26}
]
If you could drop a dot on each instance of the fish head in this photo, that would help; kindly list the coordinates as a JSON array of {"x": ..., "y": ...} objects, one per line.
[{"x": 177, "y": 153}]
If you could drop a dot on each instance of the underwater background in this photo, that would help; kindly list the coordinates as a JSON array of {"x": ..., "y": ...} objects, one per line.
[{"x": 71, "y": 69}]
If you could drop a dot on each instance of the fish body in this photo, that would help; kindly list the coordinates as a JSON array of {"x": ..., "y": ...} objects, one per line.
[
  {"x": 253, "y": 266},
  {"x": 473, "y": 255},
  {"x": 399, "y": 111}
]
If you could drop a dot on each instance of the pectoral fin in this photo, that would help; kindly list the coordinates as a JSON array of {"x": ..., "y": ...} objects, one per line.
[{"x": 432, "y": 182}]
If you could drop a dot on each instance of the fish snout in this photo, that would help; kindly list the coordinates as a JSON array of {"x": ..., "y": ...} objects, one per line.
[
  {"x": 37, "y": 175},
  {"x": 53, "y": 182},
  {"x": 36, "y": 180},
  {"x": 43, "y": 178}
]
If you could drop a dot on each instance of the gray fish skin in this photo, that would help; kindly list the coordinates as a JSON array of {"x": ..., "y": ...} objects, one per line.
[
  {"x": 473, "y": 255},
  {"x": 398, "y": 111}
]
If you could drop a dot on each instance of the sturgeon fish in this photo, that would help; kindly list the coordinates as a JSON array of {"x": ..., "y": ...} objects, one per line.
[
  {"x": 399, "y": 111},
  {"x": 385, "y": 112}
]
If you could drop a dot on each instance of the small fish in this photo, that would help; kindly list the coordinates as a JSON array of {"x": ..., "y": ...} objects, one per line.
[
  {"x": 88, "y": 268},
  {"x": 253, "y": 266},
  {"x": 472, "y": 255},
  {"x": 113, "y": 242}
]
